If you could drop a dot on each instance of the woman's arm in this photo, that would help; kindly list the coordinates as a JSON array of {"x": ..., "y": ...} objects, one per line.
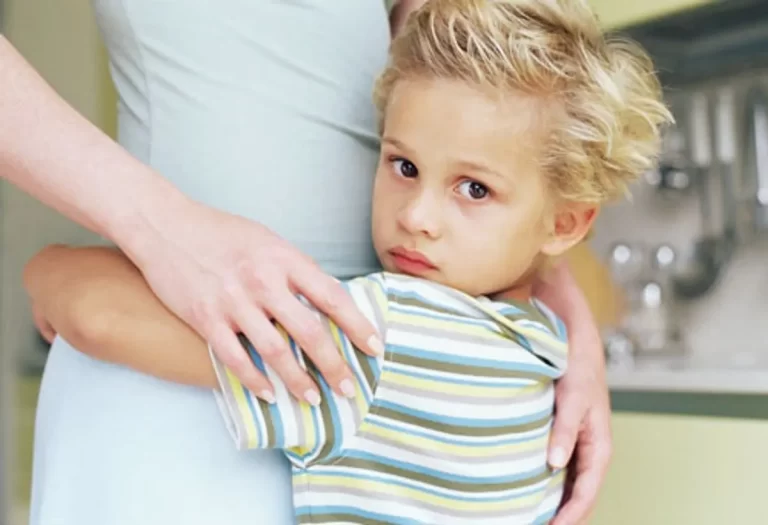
[
  {"x": 192, "y": 256},
  {"x": 99, "y": 302},
  {"x": 581, "y": 434}
]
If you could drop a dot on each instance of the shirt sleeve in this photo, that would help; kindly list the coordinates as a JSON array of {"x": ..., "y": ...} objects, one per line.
[{"x": 306, "y": 433}]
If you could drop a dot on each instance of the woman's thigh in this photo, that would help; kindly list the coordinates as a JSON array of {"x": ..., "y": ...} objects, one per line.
[{"x": 115, "y": 447}]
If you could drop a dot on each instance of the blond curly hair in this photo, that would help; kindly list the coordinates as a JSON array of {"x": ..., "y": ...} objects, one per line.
[{"x": 604, "y": 90}]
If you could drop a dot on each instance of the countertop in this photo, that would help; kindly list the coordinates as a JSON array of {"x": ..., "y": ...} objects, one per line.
[
  {"x": 705, "y": 381},
  {"x": 733, "y": 373}
]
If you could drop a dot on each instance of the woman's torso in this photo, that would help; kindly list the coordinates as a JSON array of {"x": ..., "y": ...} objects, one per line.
[{"x": 258, "y": 107}]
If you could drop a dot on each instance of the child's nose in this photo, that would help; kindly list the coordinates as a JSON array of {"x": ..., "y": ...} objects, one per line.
[{"x": 421, "y": 216}]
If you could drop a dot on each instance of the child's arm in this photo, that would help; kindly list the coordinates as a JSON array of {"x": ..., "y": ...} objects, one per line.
[{"x": 98, "y": 301}]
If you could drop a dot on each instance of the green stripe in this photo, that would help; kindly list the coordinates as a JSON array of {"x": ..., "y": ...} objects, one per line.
[
  {"x": 269, "y": 424},
  {"x": 471, "y": 487},
  {"x": 459, "y": 430},
  {"x": 325, "y": 414},
  {"x": 339, "y": 518},
  {"x": 365, "y": 366},
  {"x": 531, "y": 313}
]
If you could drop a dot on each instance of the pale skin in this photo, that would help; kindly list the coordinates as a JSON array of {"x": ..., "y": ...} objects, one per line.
[{"x": 97, "y": 300}]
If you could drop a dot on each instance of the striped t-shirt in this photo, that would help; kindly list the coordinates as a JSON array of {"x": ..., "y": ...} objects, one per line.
[{"x": 451, "y": 425}]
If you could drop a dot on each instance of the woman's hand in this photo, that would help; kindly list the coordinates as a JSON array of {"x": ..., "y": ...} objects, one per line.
[
  {"x": 223, "y": 274},
  {"x": 583, "y": 421},
  {"x": 581, "y": 436}
]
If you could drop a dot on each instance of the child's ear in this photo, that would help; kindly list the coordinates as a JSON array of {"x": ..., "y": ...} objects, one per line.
[{"x": 572, "y": 223}]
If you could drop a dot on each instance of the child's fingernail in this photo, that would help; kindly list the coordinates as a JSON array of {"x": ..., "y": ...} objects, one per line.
[
  {"x": 557, "y": 458},
  {"x": 312, "y": 397},
  {"x": 375, "y": 344},
  {"x": 347, "y": 388},
  {"x": 268, "y": 396}
]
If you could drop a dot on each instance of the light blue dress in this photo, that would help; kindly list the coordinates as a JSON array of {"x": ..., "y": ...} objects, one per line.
[{"x": 259, "y": 107}]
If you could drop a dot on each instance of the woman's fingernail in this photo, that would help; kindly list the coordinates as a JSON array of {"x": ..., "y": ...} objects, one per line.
[
  {"x": 347, "y": 388},
  {"x": 268, "y": 396},
  {"x": 375, "y": 344},
  {"x": 557, "y": 458},
  {"x": 312, "y": 397}
]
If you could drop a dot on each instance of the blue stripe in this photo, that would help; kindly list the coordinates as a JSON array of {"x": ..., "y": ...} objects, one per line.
[
  {"x": 274, "y": 413},
  {"x": 255, "y": 357},
  {"x": 316, "y": 511},
  {"x": 482, "y": 497},
  {"x": 562, "y": 330},
  {"x": 469, "y": 423},
  {"x": 376, "y": 367},
  {"x": 294, "y": 348},
  {"x": 524, "y": 342},
  {"x": 545, "y": 518},
  {"x": 441, "y": 474},
  {"x": 457, "y": 440},
  {"x": 277, "y": 421},
  {"x": 464, "y": 360},
  {"x": 508, "y": 309}
]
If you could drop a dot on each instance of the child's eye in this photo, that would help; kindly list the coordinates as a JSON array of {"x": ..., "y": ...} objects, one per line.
[
  {"x": 473, "y": 190},
  {"x": 405, "y": 167}
]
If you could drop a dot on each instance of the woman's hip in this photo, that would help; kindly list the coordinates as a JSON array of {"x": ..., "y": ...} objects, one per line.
[{"x": 113, "y": 447}]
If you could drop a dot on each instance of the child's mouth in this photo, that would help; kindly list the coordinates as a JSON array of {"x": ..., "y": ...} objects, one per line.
[{"x": 411, "y": 262}]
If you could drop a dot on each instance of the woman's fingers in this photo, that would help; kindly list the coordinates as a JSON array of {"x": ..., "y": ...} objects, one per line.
[
  {"x": 330, "y": 297},
  {"x": 316, "y": 341},
  {"x": 228, "y": 349}
]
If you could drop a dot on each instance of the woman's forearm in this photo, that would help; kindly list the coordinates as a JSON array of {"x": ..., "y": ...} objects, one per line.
[
  {"x": 56, "y": 155},
  {"x": 100, "y": 303},
  {"x": 560, "y": 291}
]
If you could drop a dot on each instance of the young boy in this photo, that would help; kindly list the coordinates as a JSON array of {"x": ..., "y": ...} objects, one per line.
[{"x": 504, "y": 125}]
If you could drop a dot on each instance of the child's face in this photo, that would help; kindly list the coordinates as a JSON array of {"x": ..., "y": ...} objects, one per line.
[{"x": 459, "y": 197}]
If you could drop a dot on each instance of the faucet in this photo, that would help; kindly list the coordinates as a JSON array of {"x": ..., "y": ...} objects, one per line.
[
  {"x": 755, "y": 159},
  {"x": 711, "y": 156}
]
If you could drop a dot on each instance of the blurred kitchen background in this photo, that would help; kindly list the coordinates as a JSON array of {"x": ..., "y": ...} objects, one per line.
[{"x": 677, "y": 277}]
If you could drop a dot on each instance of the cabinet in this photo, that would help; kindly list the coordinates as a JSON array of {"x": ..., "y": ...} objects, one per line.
[{"x": 674, "y": 470}]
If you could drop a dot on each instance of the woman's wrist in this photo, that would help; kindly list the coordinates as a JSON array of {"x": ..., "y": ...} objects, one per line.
[
  {"x": 560, "y": 291},
  {"x": 148, "y": 224}
]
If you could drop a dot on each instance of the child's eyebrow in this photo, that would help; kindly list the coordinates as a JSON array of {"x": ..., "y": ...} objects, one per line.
[
  {"x": 396, "y": 143},
  {"x": 478, "y": 167}
]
